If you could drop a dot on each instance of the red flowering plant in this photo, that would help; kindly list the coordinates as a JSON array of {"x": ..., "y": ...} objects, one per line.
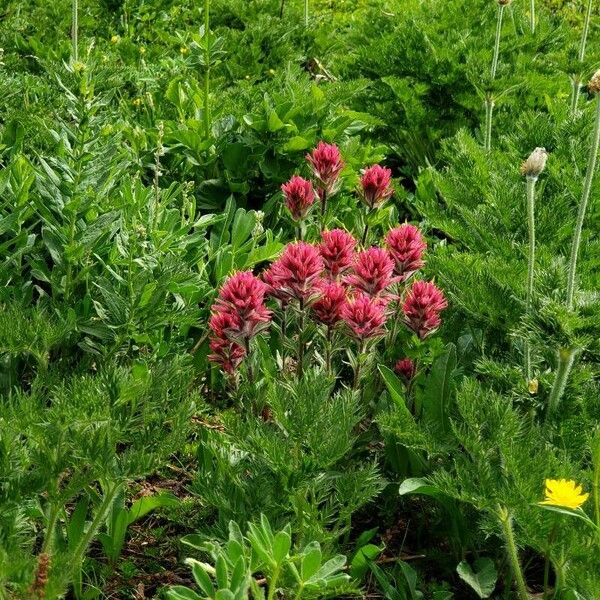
[{"x": 332, "y": 295}]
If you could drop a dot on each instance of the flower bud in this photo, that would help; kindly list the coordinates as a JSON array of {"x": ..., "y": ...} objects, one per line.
[
  {"x": 594, "y": 83},
  {"x": 535, "y": 163}
]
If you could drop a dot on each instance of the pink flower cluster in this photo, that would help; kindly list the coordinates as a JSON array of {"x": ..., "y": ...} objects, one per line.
[
  {"x": 326, "y": 164},
  {"x": 238, "y": 314},
  {"x": 337, "y": 283}
]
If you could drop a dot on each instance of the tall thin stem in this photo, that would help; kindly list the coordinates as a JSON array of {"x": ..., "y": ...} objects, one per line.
[
  {"x": 497, "y": 41},
  {"x": 576, "y": 79},
  {"x": 532, "y": 15},
  {"x": 97, "y": 521},
  {"x": 489, "y": 109},
  {"x": 306, "y": 13},
  {"x": 323, "y": 196},
  {"x": 249, "y": 359},
  {"x": 75, "y": 30},
  {"x": 530, "y": 263},
  {"x": 512, "y": 552},
  {"x": 586, "y": 29},
  {"x": 328, "y": 348},
  {"x": 587, "y": 187},
  {"x": 566, "y": 357},
  {"x": 596, "y": 476},
  {"x": 207, "y": 117},
  {"x": 300, "y": 367},
  {"x": 357, "y": 370}
]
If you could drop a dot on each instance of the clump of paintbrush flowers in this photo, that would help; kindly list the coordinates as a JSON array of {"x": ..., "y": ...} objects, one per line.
[{"x": 355, "y": 293}]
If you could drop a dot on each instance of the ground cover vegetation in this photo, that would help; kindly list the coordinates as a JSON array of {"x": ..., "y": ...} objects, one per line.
[{"x": 299, "y": 299}]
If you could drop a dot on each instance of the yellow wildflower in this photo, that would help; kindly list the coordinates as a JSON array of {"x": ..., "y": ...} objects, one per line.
[
  {"x": 142, "y": 50},
  {"x": 115, "y": 39},
  {"x": 183, "y": 50},
  {"x": 137, "y": 101},
  {"x": 564, "y": 493}
]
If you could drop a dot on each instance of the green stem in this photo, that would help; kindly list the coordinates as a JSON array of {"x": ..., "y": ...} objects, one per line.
[
  {"x": 586, "y": 28},
  {"x": 575, "y": 83},
  {"x": 511, "y": 549},
  {"x": 328, "y": 349},
  {"x": 566, "y": 357},
  {"x": 587, "y": 187},
  {"x": 207, "y": 117},
  {"x": 596, "y": 477},
  {"x": 300, "y": 366},
  {"x": 323, "y": 196},
  {"x": 52, "y": 519},
  {"x": 249, "y": 359},
  {"x": 75, "y": 30},
  {"x": 306, "y": 13},
  {"x": 497, "y": 41},
  {"x": 359, "y": 358},
  {"x": 489, "y": 109},
  {"x": 530, "y": 264},
  {"x": 273, "y": 584},
  {"x": 99, "y": 518},
  {"x": 532, "y": 15}
]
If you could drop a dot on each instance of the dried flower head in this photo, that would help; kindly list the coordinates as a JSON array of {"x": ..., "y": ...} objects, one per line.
[
  {"x": 422, "y": 307},
  {"x": 406, "y": 246},
  {"x": 405, "y": 368},
  {"x": 364, "y": 316},
  {"x": 328, "y": 307},
  {"x": 327, "y": 164},
  {"x": 564, "y": 493},
  {"x": 504, "y": 2},
  {"x": 594, "y": 83},
  {"x": 296, "y": 272},
  {"x": 299, "y": 196},
  {"x": 372, "y": 271},
  {"x": 337, "y": 250},
  {"x": 535, "y": 163},
  {"x": 376, "y": 185}
]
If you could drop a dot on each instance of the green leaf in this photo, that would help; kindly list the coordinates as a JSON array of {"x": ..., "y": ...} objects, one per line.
[
  {"x": 147, "y": 504},
  {"x": 311, "y": 561},
  {"x": 201, "y": 577},
  {"x": 281, "y": 546},
  {"x": 178, "y": 592},
  {"x": 360, "y": 563},
  {"x": 438, "y": 389},
  {"x": 482, "y": 578}
]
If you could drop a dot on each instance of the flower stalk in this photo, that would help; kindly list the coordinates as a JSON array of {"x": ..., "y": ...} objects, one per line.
[
  {"x": 532, "y": 15},
  {"x": 585, "y": 196},
  {"x": 489, "y": 110},
  {"x": 306, "y": 13},
  {"x": 596, "y": 476},
  {"x": 207, "y": 116},
  {"x": 566, "y": 358},
  {"x": 500, "y": 15},
  {"x": 75, "y": 30},
  {"x": 531, "y": 169},
  {"x": 575, "y": 79},
  {"x": 512, "y": 552}
]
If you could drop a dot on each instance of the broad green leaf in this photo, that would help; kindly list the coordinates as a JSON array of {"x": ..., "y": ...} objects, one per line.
[
  {"x": 482, "y": 577},
  {"x": 360, "y": 563},
  {"x": 281, "y": 546},
  {"x": 311, "y": 561}
]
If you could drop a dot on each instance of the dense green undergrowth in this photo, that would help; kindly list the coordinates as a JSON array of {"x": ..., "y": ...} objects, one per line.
[{"x": 139, "y": 176}]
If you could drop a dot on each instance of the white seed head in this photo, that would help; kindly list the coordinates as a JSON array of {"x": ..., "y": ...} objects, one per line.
[
  {"x": 594, "y": 83},
  {"x": 535, "y": 163}
]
